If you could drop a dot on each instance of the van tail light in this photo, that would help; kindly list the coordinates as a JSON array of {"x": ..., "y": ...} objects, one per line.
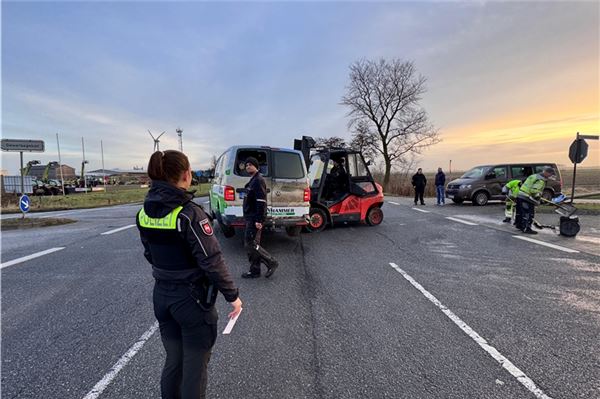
[
  {"x": 229, "y": 193},
  {"x": 307, "y": 195}
]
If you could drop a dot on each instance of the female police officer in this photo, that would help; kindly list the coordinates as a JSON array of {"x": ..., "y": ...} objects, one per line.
[{"x": 189, "y": 269}]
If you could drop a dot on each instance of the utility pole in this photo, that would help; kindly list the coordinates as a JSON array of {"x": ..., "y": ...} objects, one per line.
[
  {"x": 82, "y": 167},
  {"x": 179, "y": 132},
  {"x": 103, "y": 170},
  {"x": 62, "y": 179}
]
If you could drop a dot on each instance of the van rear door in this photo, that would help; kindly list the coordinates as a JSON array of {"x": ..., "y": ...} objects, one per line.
[{"x": 288, "y": 185}]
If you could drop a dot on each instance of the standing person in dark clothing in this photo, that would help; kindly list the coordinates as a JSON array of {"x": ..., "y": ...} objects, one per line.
[
  {"x": 255, "y": 212},
  {"x": 189, "y": 271},
  {"x": 418, "y": 182},
  {"x": 440, "y": 182}
]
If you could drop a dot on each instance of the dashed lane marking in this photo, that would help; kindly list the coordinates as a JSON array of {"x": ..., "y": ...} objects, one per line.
[
  {"x": 420, "y": 210},
  {"x": 117, "y": 230},
  {"x": 493, "y": 352},
  {"x": 122, "y": 362},
  {"x": 392, "y": 202},
  {"x": 461, "y": 221},
  {"x": 547, "y": 244},
  {"x": 29, "y": 257}
]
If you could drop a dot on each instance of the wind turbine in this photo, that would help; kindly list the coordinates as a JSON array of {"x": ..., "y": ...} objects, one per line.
[{"x": 156, "y": 140}]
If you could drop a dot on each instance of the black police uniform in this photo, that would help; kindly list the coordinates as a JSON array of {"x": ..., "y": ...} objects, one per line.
[
  {"x": 255, "y": 211},
  {"x": 189, "y": 269}
]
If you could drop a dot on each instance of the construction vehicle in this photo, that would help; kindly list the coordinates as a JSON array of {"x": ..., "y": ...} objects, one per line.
[
  {"x": 25, "y": 171},
  {"x": 342, "y": 189}
]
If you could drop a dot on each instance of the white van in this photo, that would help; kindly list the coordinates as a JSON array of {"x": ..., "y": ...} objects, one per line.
[{"x": 288, "y": 192}]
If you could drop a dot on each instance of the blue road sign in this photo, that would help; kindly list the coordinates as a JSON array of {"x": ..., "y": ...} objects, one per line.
[{"x": 24, "y": 203}]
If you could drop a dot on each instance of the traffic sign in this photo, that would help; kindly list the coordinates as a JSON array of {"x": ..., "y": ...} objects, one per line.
[
  {"x": 578, "y": 150},
  {"x": 22, "y": 145},
  {"x": 24, "y": 202}
]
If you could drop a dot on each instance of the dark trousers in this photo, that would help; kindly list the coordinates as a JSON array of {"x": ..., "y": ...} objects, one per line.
[
  {"x": 419, "y": 191},
  {"x": 256, "y": 253},
  {"x": 525, "y": 214},
  {"x": 188, "y": 334}
]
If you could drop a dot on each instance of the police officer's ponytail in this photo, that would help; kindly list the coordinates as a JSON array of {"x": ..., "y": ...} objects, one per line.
[{"x": 168, "y": 165}]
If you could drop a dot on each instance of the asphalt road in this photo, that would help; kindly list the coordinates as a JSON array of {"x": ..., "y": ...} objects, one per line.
[{"x": 335, "y": 321}]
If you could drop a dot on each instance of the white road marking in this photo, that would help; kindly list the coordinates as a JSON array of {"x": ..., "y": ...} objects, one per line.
[
  {"x": 122, "y": 362},
  {"x": 420, "y": 210},
  {"x": 546, "y": 244},
  {"x": 392, "y": 202},
  {"x": 461, "y": 221},
  {"x": 117, "y": 230},
  {"x": 493, "y": 352},
  {"x": 28, "y": 257}
]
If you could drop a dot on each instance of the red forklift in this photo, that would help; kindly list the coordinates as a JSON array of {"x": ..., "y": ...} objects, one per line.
[{"x": 342, "y": 189}]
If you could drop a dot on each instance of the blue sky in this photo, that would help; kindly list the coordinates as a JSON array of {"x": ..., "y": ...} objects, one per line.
[{"x": 264, "y": 73}]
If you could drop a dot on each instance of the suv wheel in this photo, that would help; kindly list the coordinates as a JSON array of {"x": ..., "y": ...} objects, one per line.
[{"x": 480, "y": 198}]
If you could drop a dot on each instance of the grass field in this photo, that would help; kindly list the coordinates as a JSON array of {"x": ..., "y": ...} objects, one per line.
[{"x": 115, "y": 195}]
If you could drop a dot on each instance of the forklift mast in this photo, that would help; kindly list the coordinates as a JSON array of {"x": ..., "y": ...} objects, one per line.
[{"x": 304, "y": 145}]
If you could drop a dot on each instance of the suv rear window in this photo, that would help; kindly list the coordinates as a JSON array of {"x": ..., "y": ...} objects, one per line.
[{"x": 287, "y": 165}]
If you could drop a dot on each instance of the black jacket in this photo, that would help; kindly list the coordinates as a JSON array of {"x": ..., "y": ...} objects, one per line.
[
  {"x": 440, "y": 179},
  {"x": 255, "y": 200},
  {"x": 190, "y": 252},
  {"x": 419, "y": 180}
]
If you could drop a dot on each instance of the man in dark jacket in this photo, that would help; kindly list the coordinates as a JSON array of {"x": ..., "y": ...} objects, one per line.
[
  {"x": 418, "y": 182},
  {"x": 255, "y": 212},
  {"x": 440, "y": 182}
]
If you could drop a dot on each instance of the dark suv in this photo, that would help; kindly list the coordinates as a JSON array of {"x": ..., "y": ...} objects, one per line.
[{"x": 483, "y": 183}]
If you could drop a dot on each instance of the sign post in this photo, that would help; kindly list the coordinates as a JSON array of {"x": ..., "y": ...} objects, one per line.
[
  {"x": 20, "y": 146},
  {"x": 24, "y": 203},
  {"x": 577, "y": 153}
]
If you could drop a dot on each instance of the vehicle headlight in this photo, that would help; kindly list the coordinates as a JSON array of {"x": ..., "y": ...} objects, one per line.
[{"x": 465, "y": 186}]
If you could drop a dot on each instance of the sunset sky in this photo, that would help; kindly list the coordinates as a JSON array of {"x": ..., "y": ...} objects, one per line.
[{"x": 507, "y": 81}]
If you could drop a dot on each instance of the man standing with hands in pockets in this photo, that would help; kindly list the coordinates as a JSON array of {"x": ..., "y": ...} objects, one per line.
[{"x": 255, "y": 212}]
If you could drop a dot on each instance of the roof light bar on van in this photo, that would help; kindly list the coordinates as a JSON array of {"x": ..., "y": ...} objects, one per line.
[{"x": 229, "y": 193}]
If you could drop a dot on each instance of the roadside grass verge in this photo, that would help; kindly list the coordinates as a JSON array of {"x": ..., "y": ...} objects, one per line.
[
  {"x": 28, "y": 223},
  {"x": 115, "y": 196}
]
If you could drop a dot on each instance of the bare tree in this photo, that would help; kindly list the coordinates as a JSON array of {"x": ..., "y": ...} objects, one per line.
[
  {"x": 330, "y": 142},
  {"x": 385, "y": 115}
]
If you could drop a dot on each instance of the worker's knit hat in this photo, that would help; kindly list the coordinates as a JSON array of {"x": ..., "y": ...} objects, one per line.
[{"x": 253, "y": 161}]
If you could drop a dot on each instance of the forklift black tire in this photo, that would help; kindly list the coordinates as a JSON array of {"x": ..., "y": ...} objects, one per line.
[
  {"x": 317, "y": 221},
  {"x": 374, "y": 216},
  {"x": 293, "y": 231},
  {"x": 228, "y": 231}
]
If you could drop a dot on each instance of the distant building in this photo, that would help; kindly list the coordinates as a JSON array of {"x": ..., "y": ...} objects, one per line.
[{"x": 54, "y": 169}]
